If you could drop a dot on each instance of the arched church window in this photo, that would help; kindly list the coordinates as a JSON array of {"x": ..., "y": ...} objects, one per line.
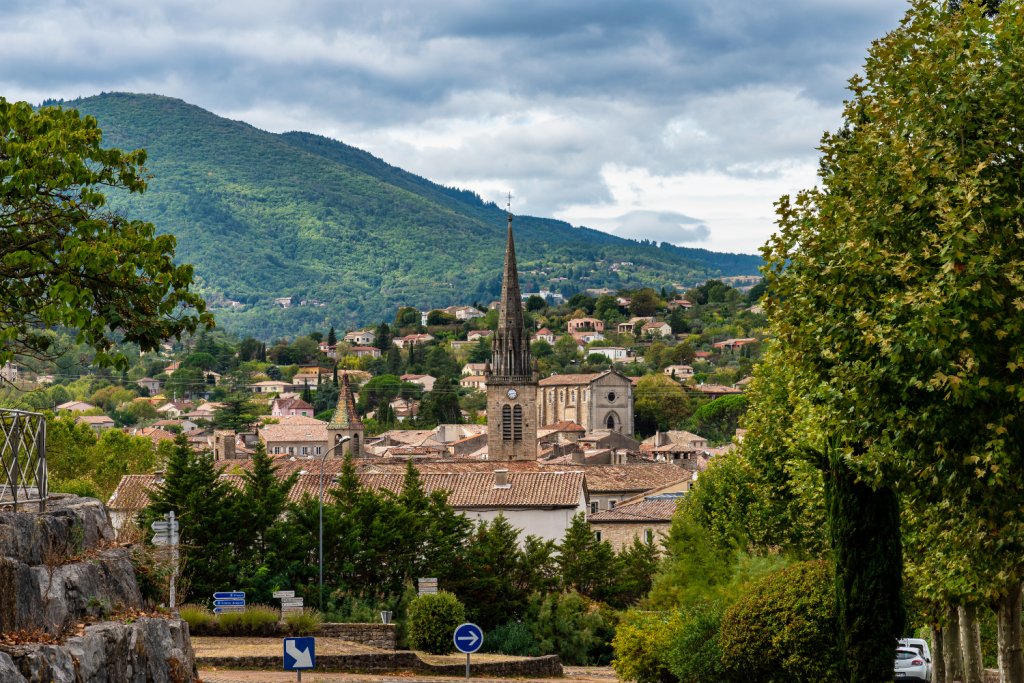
[{"x": 611, "y": 422}]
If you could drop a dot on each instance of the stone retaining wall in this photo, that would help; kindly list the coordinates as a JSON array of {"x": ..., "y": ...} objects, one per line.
[
  {"x": 392, "y": 662},
  {"x": 381, "y": 636}
]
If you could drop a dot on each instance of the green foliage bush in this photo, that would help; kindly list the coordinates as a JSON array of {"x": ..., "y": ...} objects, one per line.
[
  {"x": 304, "y": 624},
  {"x": 514, "y": 639},
  {"x": 565, "y": 624},
  {"x": 196, "y": 616},
  {"x": 79, "y": 486},
  {"x": 696, "y": 656},
  {"x": 252, "y": 621},
  {"x": 433, "y": 620},
  {"x": 784, "y": 628},
  {"x": 643, "y": 642}
]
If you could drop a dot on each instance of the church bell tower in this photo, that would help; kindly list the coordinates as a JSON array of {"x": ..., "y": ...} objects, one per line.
[{"x": 511, "y": 375}]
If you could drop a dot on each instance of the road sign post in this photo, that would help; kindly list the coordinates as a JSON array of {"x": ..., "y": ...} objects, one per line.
[
  {"x": 299, "y": 655},
  {"x": 468, "y": 638},
  {"x": 289, "y": 603},
  {"x": 228, "y": 602},
  {"x": 165, "y": 532}
]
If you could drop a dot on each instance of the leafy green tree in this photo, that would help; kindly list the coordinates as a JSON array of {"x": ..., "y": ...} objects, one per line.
[
  {"x": 441, "y": 405},
  {"x": 582, "y": 301},
  {"x": 644, "y": 303},
  {"x": 481, "y": 353},
  {"x": 200, "y": 360},
  {"x": 439, "y": 317},
  {"x": 584, "y": 561},
  {"x": 607, "y": 305},
  {"x": 407, "y": 317},
  {"x": 205, "y": 507},
  {"x": 541, "y": 349},
  {"x": 536, "y": 303},
  {"x": 383, "y": 337},
  {"x": 636, "y": 564},
  {"x": 719, "y": 419},
  {"x": 566, "y": 345},
  {"x": 237, "y": 413},
  {"x": 68, "y": 261},
  {"x": 659, "y": 404},
  {"x": 185, "y": 382}
]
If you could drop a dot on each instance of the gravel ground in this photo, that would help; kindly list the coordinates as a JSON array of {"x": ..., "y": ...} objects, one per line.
[{"x": 596, "y": 674}]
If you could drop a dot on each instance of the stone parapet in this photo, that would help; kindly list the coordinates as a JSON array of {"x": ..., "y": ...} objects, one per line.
[{"x": 381, "y": 636}]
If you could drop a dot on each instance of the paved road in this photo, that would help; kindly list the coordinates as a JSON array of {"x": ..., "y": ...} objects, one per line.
[{"x": 582, "y": 674}]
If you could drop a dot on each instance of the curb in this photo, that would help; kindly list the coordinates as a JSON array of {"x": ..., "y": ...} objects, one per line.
[{"x": 548, "y": 666}]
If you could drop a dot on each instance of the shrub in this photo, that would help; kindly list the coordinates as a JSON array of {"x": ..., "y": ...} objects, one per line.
[
  {"x": 304, "y": 624},
  {"x": 642, "y": 644},
  {"x": 256, "y": 619},
  {"x": 82, "y": 486},
  {"x": 784, "y": 628},
  {"x": 196, "y": 616},
  {"x": 696, "y": 656},
  {"x": 514, "y": 638},
  {"x": 433, "y": 619},
  {"x": 565, "y": 624}
]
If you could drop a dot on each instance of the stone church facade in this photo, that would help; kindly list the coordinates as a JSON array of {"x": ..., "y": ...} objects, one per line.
[
  {"x": 511, "y": 375},
  {"x": 598, "y": 401}
]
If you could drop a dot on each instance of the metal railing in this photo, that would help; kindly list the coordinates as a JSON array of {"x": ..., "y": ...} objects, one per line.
[{"x": 23, "y": 475}]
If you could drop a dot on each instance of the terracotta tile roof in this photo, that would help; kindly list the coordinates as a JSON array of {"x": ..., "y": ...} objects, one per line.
[
  {"x": 659, "y": 510},
  {"x": 564, "y": 426},
  {"x": 345, "y": 415},
  {"x": 623, "y": 478},
  {"x": 94, "y": 419},
  {"x": 293, "y": 419},
  {"x": 294, "y": 433},
  {"x": 435, "y": 451},
  {"x": 292, "y": 404},
  {"x": 564, "y": 380}
]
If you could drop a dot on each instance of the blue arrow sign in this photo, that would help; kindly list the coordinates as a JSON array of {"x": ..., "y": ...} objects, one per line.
[
  {"x": 229, "y": 603},
  {"x": 469, "y": 638},
  {"x": 228, "y": 610},
  {"x": 299, "y": 653},
  {"x": 229, "y": 596}
]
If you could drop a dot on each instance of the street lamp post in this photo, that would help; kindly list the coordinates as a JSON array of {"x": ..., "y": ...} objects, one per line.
[{"x": 328, "y": 452}]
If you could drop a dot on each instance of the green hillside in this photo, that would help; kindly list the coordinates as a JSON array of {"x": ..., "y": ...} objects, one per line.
[{"x": 262, "y": 216}]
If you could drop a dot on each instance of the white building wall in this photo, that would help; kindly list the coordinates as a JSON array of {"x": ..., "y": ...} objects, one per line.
[{"x": 547, "y": 524}]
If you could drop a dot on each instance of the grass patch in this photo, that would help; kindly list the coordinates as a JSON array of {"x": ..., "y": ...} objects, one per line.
[
  {"x": 305, "y": 624},
  {"x": 255, "y": 619},
  {"x": 196, "y": 615}
]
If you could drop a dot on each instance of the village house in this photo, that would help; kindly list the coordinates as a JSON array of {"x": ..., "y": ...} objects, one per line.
[
  {"x": 566, "y": 430},
  {"x": 595, "y": 401},
  {"x": 361, "y": 337},
  {"x": 734, "y": 344},
  {"x": 581, "y": 324},
  {"x": 628, "y": 326},
  {"x": 98, "y": 423},
  {"x": 403, "y": 342},
  {"x": 679, "y": 371},
  {"x": 545, "y": 334},
  {"x": 614, "y": 353},
  {"x": 648, "y": 518},
  {"x": 311, "y": 379},
  {"x": 425, "y": 381},
  {"x": 149, "y": 384},
  {"x": 660, "y": 329},
  {"x": 716, "y": 390},
  {"x": 678, "y": 437},
  {"x": 9, "y": 371},
  {"x": 458, "y": 345},
  {"x": 181, "y": 425},
  {"x": 291, "y": 406},
  {"x": 743, "y": 383},
  {"x": 173, "y": 409},
  {"x": 474, "y": 369},
  {"x": 294, "y": 440},
  {"x": 360, "y": 351},
  {"x": 475, "y": 335},
  {"x": 74, "y": 407},
  {"x": 584, "y": 338},
  {"x": 271, "y": 387},
  {"x": 464, "y": 312},
  {"x": 679, "y": 303},
  {"x": 474, "y": 382}
]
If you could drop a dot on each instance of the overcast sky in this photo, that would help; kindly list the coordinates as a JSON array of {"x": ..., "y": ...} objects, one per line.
[{"x": 674, "y": 121}]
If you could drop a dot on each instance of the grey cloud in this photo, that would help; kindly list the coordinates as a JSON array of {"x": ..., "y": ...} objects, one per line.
[{"x": 659, "y": 226}]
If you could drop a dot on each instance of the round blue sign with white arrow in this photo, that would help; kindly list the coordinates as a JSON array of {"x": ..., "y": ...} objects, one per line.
[{"x": 469, "y": 638}]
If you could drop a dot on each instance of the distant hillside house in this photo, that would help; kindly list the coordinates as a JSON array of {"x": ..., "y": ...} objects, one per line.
[
  {"x": 475, "y": 335},
  {"x": 425, "y": 381},
  {"x": 149, "y": 384},
  {"x": 614, "y": 353},
  {"x": 402, "y": 342},
  {"x": 545, "y": 334},
  {"x": 294, "y": 440},
  {"x": 464, "y": 312},
  {"x": 311, "y": 378},
  {"x": 474, "y": 369},
  {"x": 361, "y": 337},
  {"x": 680, "y": 371},
  {"x": 98, "y": 423},
  {"x": 717, "y": 390},
  {"x": 628, "y": 326},
  {"x": 584, "y": 338},
  {"x": 734, "y": 344},
  {"x": 679, "y": 303},
  {"x": 291, "y": 406},
  {"x": 474, "y": 382},
  {"x": 360, "y": 351},
  {"x": 662, "y": 329},
  {"x": 74, "y": 407},
  {"x": 271, "y": 387},
  {"x": 585, "y": 324}
]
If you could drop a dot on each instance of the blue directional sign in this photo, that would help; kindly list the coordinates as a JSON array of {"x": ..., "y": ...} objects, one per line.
[
  {"x": 229, "y": 596},
  {"x": 229, "y": 603},
  {"x": 469, "y": 638},
  {"x": 299, "y": 653}
]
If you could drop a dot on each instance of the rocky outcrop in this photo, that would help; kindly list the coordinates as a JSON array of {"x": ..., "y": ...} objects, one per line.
[
  {"x": 40, "y": 588},
  {"x": 57, "y": 567},
  {"x": 148, "y": 650}
]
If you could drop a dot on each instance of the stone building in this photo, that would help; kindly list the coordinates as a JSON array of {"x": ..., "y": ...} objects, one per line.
[
  {"x": 597, "y": 401},
  {"x": 346, "y": 422},
  {"x": 511, "y": 375},
  {"x": 648, "y": 518}
]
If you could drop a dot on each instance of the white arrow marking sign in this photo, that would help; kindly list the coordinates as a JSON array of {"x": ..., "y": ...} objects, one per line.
[
  {"x": 471, "y": 638},
  {"x": 301, "y": 657}
]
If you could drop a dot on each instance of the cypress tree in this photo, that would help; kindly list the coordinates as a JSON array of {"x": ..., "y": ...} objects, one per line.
[
  {"x": 263, "y": 500},
  {"x": 332, "y": 337},
  {"x": 864, "y": 527},
  {"x": 335, "y": 375}
]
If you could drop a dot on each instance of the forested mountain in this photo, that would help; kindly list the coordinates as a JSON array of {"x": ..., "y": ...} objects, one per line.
[{"x": 263, "y": 216}]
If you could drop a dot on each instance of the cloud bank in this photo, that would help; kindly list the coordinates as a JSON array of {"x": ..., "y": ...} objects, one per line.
[{"x": 583, "y": 109}]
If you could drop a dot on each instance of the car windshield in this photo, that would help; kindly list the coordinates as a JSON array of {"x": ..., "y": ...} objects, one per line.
[{"x": 905, "y": 654}]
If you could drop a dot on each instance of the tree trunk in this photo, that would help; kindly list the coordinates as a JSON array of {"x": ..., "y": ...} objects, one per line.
[
  {"x": 938, "y": 665},
  {"x": 951, "y": 651},
  {"x": 864, "y": 526},
  {"x": 970, "y": 641},
  {"x": 1011, "y": 659}
]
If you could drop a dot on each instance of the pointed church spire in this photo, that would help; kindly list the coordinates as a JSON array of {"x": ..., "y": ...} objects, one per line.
[
  {"x": 510, "y": 351},
  {"x": 345, "y": 415}
]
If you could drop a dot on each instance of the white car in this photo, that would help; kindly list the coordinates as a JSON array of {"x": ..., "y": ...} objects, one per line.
[
  {"x": 918, "y": 644},
  {"x": 911, "y": 665}
]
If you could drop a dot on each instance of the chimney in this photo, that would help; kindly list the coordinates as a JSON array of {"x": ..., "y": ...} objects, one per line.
[
  {"x": 579, "y": 457},
  {"x": 158, "y": 477},
  {"x": 501, "y": 479}
]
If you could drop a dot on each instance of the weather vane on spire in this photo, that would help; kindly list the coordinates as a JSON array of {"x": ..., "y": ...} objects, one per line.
[{"x": 509, "y": 205}]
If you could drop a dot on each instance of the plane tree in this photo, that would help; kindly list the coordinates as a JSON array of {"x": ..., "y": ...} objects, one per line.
[{"x": 896, "y": 291}]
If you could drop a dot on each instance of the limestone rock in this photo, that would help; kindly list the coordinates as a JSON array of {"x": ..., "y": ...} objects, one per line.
[
  {"x": 68, "y": 521},
  {"x": 8, "y": 672}
]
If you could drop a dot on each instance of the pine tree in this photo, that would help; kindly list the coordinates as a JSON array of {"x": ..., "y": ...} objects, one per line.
[
  {"x": 394, "y": 360},
  {"x": 636, "y": 565},
  {"x": 263, "y": 500},
  {"x": 332, "y": 337},
  {"x": 335, "y": 375},
  {"x": 383, "y": 340},
  {"x": 584, "y": 561},
  {"x": 236, "y": 413}
]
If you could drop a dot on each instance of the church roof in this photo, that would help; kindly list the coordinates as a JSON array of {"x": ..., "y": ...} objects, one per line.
[{"x": 345, "y": 415}]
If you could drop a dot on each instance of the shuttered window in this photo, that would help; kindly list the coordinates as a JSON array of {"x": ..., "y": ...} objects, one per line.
[
  {"x": 517, "y": 423},
  {"x": 506, "y": 423}
]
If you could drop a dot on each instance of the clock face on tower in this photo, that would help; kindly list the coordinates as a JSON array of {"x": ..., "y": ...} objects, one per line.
[{"x": 512, "y": 393}]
